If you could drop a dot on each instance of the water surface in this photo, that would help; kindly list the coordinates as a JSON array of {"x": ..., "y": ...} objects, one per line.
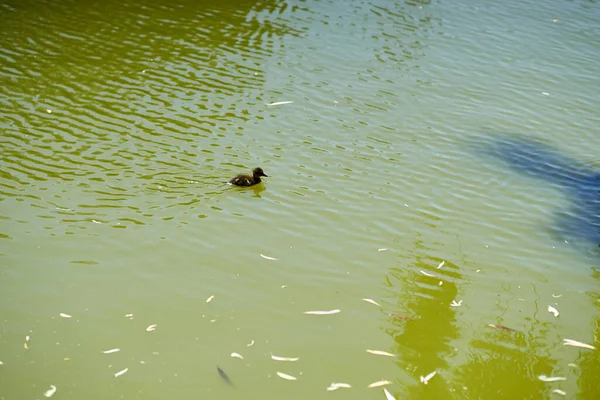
[{"x": 419, "y": 133}]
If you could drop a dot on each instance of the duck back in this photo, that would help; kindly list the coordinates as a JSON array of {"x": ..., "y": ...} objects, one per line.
[{"x": 243, "y": 180}]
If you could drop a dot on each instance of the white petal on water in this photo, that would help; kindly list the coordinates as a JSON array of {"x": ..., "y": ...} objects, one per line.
[
  {"x": 425, "y": 379},
  {"x": 558, "y": 391},
  {"x": 277, "y": 358},
  {"x": 286, "y": 376},
  {"x": 237, "y": 355},
  {"x": 65, "y": 315},
  {"x": 441, "y": 283},
  {"x": 50, "y": 392},
  {"x": 381, "y": 249},
  {"x": 250, "y": 344},
  {"x": 379, "y": 384},
  {"x": 1, "y": 363},
  {"x": 328, "y": 312},
  {"x": 553, "y": 311},
  {"x": 556, "y": 296},
  {"x": 267, "y": 257},
  {"x": 441, "y": 264},
  {"x": 121, "y": 372},
  {"x": 49, "y": 111},
  {"x": 129, "y": 315},
  {"x": 455, "y": 303},
  {"x": 210, "y": 299},
  {"x": 27, "y": 338},
  {"x": 388, "y": 395},
  {"x": 381, "y": 353},
  {"x": 151, "y": 328},
  {"x": 111, "y": 351},
  {"x": 372, "y": 302},
  {"x": 336, "y": 386},
  {"x": 278, "y": 103},
  {"x": 551, "y": 378},
  {"x": 571, "y": 342},
  {"x": 427, "y": 273}
]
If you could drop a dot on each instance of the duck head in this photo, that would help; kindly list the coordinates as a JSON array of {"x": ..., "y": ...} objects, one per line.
[{"x": 258, "y": 172}]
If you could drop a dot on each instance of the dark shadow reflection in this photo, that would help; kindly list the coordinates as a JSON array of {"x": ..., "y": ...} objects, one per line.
[{"x": 580, "y": 183}]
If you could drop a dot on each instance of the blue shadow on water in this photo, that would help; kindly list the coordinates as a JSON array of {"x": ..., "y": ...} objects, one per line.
[{"x": 578, "y": 224}]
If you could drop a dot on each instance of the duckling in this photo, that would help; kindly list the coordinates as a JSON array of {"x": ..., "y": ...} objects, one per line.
[{"x": 248, "y": 180}]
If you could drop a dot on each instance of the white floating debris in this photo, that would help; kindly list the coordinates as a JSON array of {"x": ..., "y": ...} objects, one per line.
[
  {"x": 441, "y": 264},
  {"x": 277, "y": 358},
  {"x": 328, "y": 312},
  {"x": 388, "y": 395},
  {"x": 558, "y": 391},
  {"x": 381, "y": 249},
  {"x": 121, "y": 372},
  {"x": 372, "y": 302},
  {"x": 556, "y": 296},
  {"x": 65, "y": 315},
  {"x": 278, "y": 103},
  {"x": 237, "y": 355},
  {"x": 336, "y": 386},
  {"x": 425, "y": 379},
  {"x": 551, "y": 378},
  {"x": 570, "y": 342},
  {"x": 286, "y": 376},
  {"x": 96, "y": 222},
  {"x": 379, "y": 384},
  {"x": 27, "y": 338},
  {"x": 440, "y": 283},
  {"x": 381, "y": 353},
  {"x": 553, "y": 311},
  {"x": 267, "y": 257},
  {"x": 284, "y": 286},
  {"x": 128, "y": 315},
  {"x": 250, "y": 344},
  {"x": 50, "y": 392},
  {"x": 210, "y": 299},
  {"x": 1, "y": 363},
  {"x": 546, "y": 93},
  {"x": 111, "y": 351},
  {"x": 427, "y": 273},
  {"x": 49, "y": 111},
  {"x": 151, "y": 328},
  {"x": 456, "y": 304}
]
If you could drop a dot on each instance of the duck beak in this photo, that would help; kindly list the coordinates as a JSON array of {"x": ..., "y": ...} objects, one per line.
[{"x": 265, "y": 175}]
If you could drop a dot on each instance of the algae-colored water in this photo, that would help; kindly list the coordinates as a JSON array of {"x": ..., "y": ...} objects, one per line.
[{"x": 418, "y": 133}]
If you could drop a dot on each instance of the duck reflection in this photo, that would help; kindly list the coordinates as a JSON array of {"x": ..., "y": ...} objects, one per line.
[{"x": 580, "y": 183}]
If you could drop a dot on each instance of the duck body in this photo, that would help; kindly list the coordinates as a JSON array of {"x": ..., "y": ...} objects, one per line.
[{"x": 248, "y": 180}]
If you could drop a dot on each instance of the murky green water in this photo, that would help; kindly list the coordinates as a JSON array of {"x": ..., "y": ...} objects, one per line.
[{"x": 420, "y": 132}]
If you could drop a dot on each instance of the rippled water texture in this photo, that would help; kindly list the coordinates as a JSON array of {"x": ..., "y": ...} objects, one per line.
[{"x": 439, "y": 159}]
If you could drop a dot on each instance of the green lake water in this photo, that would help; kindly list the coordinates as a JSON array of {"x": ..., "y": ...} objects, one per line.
[{"x": 413, "y": 133}]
